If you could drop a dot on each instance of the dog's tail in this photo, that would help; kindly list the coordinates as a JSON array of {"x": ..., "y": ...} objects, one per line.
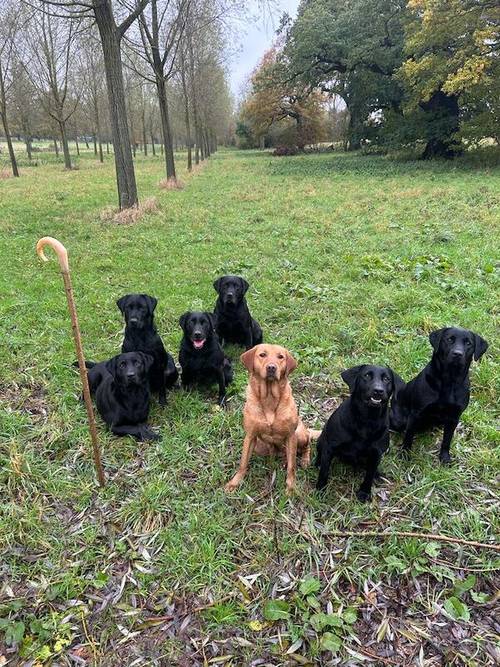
[{"x": 88, "y": 364}]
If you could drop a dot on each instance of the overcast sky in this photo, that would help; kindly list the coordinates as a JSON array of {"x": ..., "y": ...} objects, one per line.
[{"x": 255, "y": 42}]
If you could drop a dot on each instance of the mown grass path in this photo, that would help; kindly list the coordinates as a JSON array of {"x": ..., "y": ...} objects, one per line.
[{"x": 351, "y": 259}]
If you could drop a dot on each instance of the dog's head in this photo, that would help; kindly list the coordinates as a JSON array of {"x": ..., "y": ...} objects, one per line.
[
  {"x": 269, "y": 362},
  {"x": 456, "y": 347},
  {"x": 137, "y": 309},
  {"x": 372, "y": 385},
  {"x": 130, "y": 368},
  {"x": 198, "y": 327},
  {"x": 231, "y": 290}
]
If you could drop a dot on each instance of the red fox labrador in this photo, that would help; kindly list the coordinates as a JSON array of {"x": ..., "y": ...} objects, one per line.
[{"x": 270, "y": 416}]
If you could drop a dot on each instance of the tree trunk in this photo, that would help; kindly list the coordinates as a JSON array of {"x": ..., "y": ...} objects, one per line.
[
  {"x": 65, "y": 145},
  {"x": 443, "y": 117},
  {"x": 95, "y": 144},
  {"x": 56, "y": 147},
  {"x": 153, "y": 145},
  {"x": 110, "y": 40},
  {"x": 144, "y": 138},
  {"x": 186, "y": 116},
  {"x": 77, "y": 145},
  {"x": 28, "y": 141},
  {"x": 107, "y": 147},
  {"x": 166, "y": 129},
  {"x": 5, "y": 123}
]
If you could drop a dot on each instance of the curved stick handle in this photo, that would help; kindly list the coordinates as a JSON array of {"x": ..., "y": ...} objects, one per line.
[{"x": 59, "y": 249}]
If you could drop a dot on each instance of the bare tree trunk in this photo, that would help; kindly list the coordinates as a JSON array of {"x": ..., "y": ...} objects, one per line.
[
  {"x": 107, "y": 147},
  {"x": 165, "y": 125},
  {"x": 144, "y": 138},
  {"x": 77, "y": 145},
  {"x": 186, "y": 113},
  {"x": 64, "y": 141},
  {"x": 56, "y": 147},
  {"x": 94, "y": 139},
  {"x": 110, "y": 40},
  {"x": 27, "y": 141},
  {"x": 5, "y": 123},
  {"x": 153, "y": 144}
]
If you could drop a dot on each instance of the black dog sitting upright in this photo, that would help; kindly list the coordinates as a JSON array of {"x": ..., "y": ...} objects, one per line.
[
  {"x": 233, "y": 321},
  {"x": 441, "y": 391},
  {"x": 141, "y": 336},
  {"x": 358, "y": 431},
  {"x": 201, "y": 357},
  {"x": 121, "y": 391}
]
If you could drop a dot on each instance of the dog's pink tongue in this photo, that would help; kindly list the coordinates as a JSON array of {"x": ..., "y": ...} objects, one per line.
[{"x": 198, "y": 344}]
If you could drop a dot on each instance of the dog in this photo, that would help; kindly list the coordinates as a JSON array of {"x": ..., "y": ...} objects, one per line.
[
  {"x": 270, "y": 418},
  {"x": 201, "y": 356},
  {"x": 120, "y": 388},
  {"x": 233, "y": 322},
  {"x": 141, "y": 336},
  {"x": 358, "y": 431},
  {"x": 441, "y": 391}
]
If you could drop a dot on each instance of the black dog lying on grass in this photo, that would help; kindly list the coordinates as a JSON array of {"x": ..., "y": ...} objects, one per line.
[
  {"x": 120, "y": 388},
  {"x": 141, "y": 336},
  {"x": 358, "y": 431},
  {"x": 201, "y": 356},
  {"x": 441, "y": 391},
  {"x": 233, "y": 322}
]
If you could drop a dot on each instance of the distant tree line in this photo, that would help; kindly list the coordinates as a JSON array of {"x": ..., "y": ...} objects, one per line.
[
  {"x": 423, "y": 74},
  {"x": 121, "y": 77}
]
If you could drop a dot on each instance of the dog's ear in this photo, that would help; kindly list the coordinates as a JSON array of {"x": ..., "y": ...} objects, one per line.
[
  {"x": 151, "y": 301},
  {"x": 211, "y": 319},
  {"x": 247, "y": 358},
  {"x": 183, "y": 320},
  {"x": 122, "y": 302},
  {"x": 397, "y": 382},
  {"x": 217, "y": 284},
  {"x": 244, "y": 285},
  {"x": 435, "y": 338},
  {"x": 350, "y": 375},
  {"x": 480, "y": 346},
  {"x": 111, "y": 365},
  {"x": 291, "y": 363},
  {"x": 147, "y": 359}
]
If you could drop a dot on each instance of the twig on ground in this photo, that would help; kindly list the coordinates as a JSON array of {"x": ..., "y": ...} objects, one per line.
[{"x": 422, "y": 536}]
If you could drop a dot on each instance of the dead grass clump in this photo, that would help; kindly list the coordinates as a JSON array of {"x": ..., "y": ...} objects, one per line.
[
  {"x": 130, "y": 215},
  {"x": 5, "y": 174},
  {"x": 171, "y": 184}
]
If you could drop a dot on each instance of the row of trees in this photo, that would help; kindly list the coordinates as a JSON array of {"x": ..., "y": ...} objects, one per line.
[
  {"x": 127, "y": 73},
  {"x": 409, "y": 72}
]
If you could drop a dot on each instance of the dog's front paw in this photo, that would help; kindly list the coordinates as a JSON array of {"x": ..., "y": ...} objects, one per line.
[
  {"x": 290, "y": 490},
  {"x": 147, "y": 434},
  {"x": 363, "y": 496},
  {"x": 445, "y": 458},
  {"x": 222, "y": 402},
  {"x": 405, "y": 453}
]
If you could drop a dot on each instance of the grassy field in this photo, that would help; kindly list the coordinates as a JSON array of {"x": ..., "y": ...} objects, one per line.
[{"x": 351, "y": 259}]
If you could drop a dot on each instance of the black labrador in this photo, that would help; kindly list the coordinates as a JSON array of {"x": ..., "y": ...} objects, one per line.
[
  {"x": 358, "y": 431},
  {"x": 121, "y": 391},
  {"x": 233, "y": 321},
  {"x": 141, "y": 336},
  {"x": 201, "y": 356},
  {"x": 441, "y": 391}
]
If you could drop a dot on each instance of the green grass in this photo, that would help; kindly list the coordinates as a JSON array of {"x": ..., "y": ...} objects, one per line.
[{"x": 351, "y": 259}]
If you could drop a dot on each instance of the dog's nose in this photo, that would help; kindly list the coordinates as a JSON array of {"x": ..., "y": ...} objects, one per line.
[
  {"x": 378, "y": 392},
  {"x": 131, "y": 374},
  {"x": 133, "y": 320},
  {"x": 197, "y": 335},
  {"x": 457, "y": 354},
  {"x": 271, "y": 369}
]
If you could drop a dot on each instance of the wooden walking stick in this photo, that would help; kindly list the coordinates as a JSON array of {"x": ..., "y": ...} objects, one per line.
[{"x": 62, "y": 255}]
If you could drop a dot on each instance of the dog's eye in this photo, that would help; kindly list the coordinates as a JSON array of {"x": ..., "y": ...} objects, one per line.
[
  {"x": 262, "y": 354},
  {"x": 122, "y": 364},
  {"x": 468, "y": 342},
  {"x": 281, "y": 356},
  {"x": 451, "y": 339},
  {"x": 386, "y": 379},
  {"x": 368, "y": 375}
]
